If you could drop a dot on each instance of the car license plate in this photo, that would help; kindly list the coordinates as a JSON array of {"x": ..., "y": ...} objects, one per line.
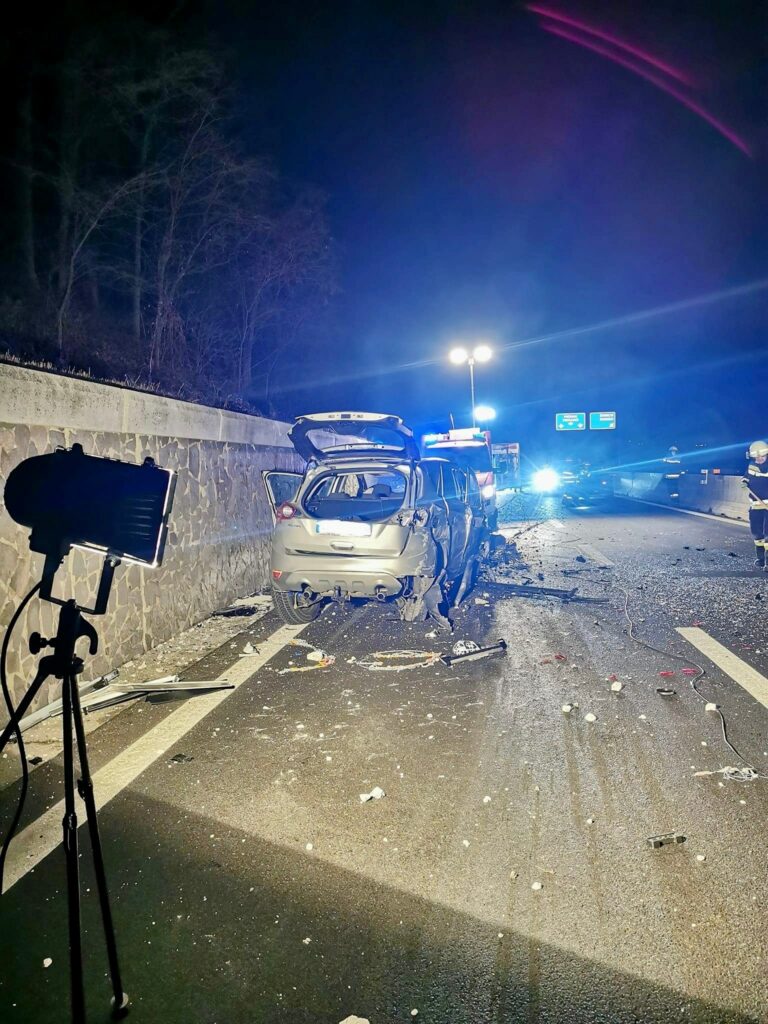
[{"x": 341, "y": 528}]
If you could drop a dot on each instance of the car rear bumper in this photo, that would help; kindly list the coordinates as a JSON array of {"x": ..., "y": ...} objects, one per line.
[{"x": 358, "y": 576}]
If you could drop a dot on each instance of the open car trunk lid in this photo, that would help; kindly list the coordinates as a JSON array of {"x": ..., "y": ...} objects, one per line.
[{"x": 319, "y": 437}]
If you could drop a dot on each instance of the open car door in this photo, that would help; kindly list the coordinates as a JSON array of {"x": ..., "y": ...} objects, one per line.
[{"x": 281, "y": 486}]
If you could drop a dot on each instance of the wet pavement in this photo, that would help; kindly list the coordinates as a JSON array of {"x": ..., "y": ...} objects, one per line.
[{"x": 505, "y": 875}]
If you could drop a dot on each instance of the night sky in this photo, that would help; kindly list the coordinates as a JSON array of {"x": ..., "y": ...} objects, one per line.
[{"x": 488, "y": 179}]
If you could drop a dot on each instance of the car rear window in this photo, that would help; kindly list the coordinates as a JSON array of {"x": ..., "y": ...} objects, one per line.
[{"x": 364, "y": 495}]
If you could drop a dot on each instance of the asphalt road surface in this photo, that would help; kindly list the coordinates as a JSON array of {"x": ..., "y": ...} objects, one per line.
[{"x": 506, "y": 874}]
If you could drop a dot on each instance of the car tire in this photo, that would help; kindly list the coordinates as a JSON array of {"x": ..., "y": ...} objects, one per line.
[{"x": 285, "y": 606}]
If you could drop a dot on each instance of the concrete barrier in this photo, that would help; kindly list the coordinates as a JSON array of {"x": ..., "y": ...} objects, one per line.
[
  {"x": 701, "y": 492},
  {"x": 220, "y": 527}
]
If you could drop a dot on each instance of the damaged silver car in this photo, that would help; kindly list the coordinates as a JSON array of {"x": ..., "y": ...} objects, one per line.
[{"x": 370, "y": 518}]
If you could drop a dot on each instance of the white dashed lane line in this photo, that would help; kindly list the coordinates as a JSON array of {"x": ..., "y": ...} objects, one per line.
[
  {"x": 40, "y": 838},
  {"x": 748, "y": 678}
]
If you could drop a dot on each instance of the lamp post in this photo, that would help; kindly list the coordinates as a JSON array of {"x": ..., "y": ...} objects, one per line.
[{"x": 479, "y": 354}]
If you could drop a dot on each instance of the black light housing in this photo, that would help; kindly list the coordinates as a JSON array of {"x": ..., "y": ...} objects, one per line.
[{"x": 68, "y": 498}]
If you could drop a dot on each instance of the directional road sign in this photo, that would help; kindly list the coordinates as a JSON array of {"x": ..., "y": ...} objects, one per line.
[
  {"x": 602, "y": 421},
  {"x": 570, "y": 421}
]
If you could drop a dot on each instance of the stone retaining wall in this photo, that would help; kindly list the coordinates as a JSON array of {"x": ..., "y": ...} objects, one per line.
[{"x": 218, "y": 544}]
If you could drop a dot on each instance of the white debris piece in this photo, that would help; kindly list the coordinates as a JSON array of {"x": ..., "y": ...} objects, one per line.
[
  {"x": 537, "y": 885},
  {"x": 701, "y": 857},
  {"x": 414, "y": 1013},
  {"x": 376, "y": 794},
  {"x": 309, "y": 846},
  {"x": 481, "y": 600},
  {"x": 465, "y": 842},
  {"x": 567, "y": 709},
  {"x": 47, "y": 962},
  {"x": 306, "y": 941},
  {"x": 710, "y": 706},
  {"x": 249, "y": 650},
  {"x": 617, "y": 687},
  {"x": 486, "y": 799},
  {"x": 352, "y": 1019},
  {"x": 590, "y": 821},
  {"x": 316, "y": 655},
  {"x": 589, "y": 717},
  {"x": 465, "y": 647}
]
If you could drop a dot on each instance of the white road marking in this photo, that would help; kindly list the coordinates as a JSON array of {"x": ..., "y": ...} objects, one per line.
[
  {"x": 594, "y": 554},
  {"x": 43, "y": 835},
  {"x": 687, "y": 511},
  {"x": 747, "y": 677}
]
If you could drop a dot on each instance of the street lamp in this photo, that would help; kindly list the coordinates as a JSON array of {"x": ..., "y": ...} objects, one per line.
[
  {"x": 479, "y": 354},
  {"x": 483, "y": 413}
]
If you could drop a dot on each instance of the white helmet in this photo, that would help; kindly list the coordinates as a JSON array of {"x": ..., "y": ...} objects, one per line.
[{"x": 758, "y": 450}]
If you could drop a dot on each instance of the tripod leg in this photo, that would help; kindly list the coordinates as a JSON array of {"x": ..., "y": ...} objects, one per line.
[
  {"x": 85, "y": 789},
  {"x": 69, "y": 824}
]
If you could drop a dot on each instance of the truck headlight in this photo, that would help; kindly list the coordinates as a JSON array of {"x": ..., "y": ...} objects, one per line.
[
  {"x": 545, "y": 480},
  {"x": 488, "y": 491}
]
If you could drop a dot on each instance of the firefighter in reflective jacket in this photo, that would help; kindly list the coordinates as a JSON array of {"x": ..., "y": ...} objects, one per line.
[
  {"x": 672, "y": 473},
  {"x": 756, "y": 482}
]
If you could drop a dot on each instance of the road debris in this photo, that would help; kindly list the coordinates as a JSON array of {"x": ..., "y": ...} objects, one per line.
[
  {"x": 616, "y": 686},
  {"x": 568, "y": 708},
  {"x": 322, "y": 662},
  {"x": 180, "y": 759},
  {"x": 711, "y": 706},
  {"x": 352, "y": 1019},
  {"x": 481, "y": 601},
  {"x": 249, "y": 650},
  {"x": 743, "y": 774},
  {"x": 664, "y": 691},
  {"x": 520, "y": 590},
  {"x": 701, "y": 857},
  {"x": 536, "y": 886},
  {"x": 666, "y": 839},
  {"x": 376, "y": 794},
  {"x": 47, "y": 962},
  {"x": 500, "y": 647},
  {"x": 398, "y": 661},
  {"x": 235, "y": 610},
  {"x": 589, "y": 717},
  {"x": 667, "y": 673},
  {"x": 465, "y": 647}
]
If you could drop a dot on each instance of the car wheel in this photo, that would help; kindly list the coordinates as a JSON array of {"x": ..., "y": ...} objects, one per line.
[{"x": 292, "y": 613}]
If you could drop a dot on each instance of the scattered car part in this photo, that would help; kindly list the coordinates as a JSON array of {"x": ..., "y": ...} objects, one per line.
[
  {"x": 665, "y": 839},
  {"x": 500, "y": 647}
]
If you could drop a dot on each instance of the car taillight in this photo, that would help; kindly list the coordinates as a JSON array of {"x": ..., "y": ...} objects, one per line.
[{"x": 286, "y": 511}]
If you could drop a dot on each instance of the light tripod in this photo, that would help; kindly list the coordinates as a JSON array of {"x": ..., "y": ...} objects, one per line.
[{"x": 66, "y": 665}]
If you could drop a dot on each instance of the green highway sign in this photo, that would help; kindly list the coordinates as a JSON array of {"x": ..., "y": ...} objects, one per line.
[
  {"x": 570, "y": 421},
  {"x": 602, "y": 421}
]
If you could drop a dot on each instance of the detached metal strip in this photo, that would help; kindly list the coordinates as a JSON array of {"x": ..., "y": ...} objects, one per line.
[
  {"x": 40, "y": 838},
  {"x": 748, "y": 678}
]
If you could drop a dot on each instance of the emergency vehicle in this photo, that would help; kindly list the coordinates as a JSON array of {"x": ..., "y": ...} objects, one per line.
[{"x": 471, "y": 448}]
